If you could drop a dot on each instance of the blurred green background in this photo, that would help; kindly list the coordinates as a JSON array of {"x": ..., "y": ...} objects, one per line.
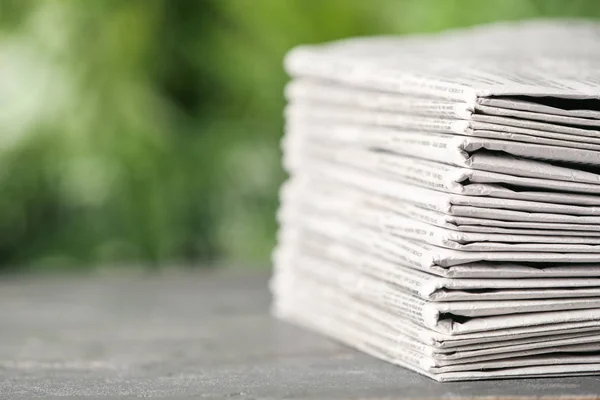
[{"x": 145, "y": 132}]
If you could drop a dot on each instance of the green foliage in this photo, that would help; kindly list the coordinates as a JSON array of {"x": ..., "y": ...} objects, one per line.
[{"x": 147, "y": 130}]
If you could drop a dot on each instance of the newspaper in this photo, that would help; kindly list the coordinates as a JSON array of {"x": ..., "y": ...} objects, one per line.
[
  {"x": 319, "y": 243},
  {"x": 339, "y": 260},
  {"x": 325, "y": 92},
  {"x": 338, "y": 219},
  {"x": 440, "y": 176},
  {"x": 462, "y": 151},
  {"x": 401, "y": 350},
  {"x": 502, "y": 341},
  {"x": 491, "y": 225},
  {"x": 330, "y": 193},
  {"x": 443, "y": 206},
  {"x": 528, "y": 116},
  {"x": 432, "y": 313},
  {"x": 360, "y": 210},
  {"x": 462, "y": 66},
  {"x": 445, "y": 263},
  {"x": 431, "y": 351},
  {"x": 433, "y": 316},
  {"x": 424, "y": 255},
  {"x": 519, "y": 104},
  {"x": 451, "y": 203},
  {"x": 461, "y": 354},
  {"x": 322, "y": 200},
  {"x": 306, "y": 91},
  {"x": 424, "y": 358},
  {"x": 487, "y": 126}
]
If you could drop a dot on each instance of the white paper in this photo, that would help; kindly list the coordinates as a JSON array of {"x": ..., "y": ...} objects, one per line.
[
  {"x": 336, "y": 261},
  {"x": 439, "y": 176},
  {"x": 531, "y": 59}
]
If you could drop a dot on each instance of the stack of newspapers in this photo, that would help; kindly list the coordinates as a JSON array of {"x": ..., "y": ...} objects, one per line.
[{"x": 443, "y": 206}]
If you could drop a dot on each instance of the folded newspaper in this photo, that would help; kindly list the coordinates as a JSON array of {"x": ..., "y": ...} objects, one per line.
[{"x": 443, "y": 206}]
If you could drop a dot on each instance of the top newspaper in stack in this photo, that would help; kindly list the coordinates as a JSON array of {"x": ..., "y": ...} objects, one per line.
[{"x": 506, "y": 59}]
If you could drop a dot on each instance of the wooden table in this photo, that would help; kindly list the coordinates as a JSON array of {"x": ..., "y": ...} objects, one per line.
[{"x": 197, "y": 335}]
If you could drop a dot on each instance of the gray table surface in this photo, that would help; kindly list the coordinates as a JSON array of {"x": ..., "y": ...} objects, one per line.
[{"x": 197, "y": 335}]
